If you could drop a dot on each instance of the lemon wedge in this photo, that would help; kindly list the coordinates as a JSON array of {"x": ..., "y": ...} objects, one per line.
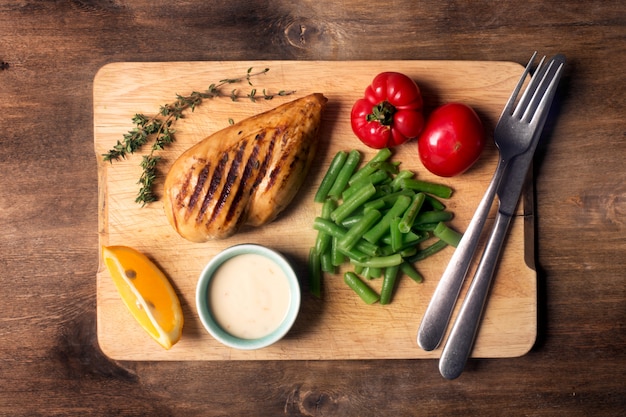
[{"x": 147, "y": 293}]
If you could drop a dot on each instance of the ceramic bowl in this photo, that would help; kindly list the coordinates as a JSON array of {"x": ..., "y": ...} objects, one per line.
[{"x": 205, "y": 309}]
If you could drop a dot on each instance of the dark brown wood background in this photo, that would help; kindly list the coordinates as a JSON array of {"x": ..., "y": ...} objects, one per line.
[{"x": 50, "y": 363}]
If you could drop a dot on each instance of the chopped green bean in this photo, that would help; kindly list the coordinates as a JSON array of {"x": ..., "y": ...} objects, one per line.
[
  {"x": 381, "y": 155},
  {"x": 382, "y": 227},
  {"x": 410, "y": 238},
  {"x": 331, "y": 174},
  {"x": 406, "y": 252},
  {"x": 326, "y": 261},
  {"x": 433, "y": 217},
  {"x": 341, "y": 181},
  {"x": 322, "y": 241},
  {"x": 395, "y": 183},
  {"x": 350, "y": 221},
  {"x": 365, "y": 272},
  {"x": 428, "y": 251},
  {"x": 408, "y": 244},
  {"x": 354, "y": 254},
  {"x": 327, "y": 226},
  {"x": 354, "y": 202},
  {"x": 448, "y": 235},
  {"x": 333, "y": 229},
  {"x": 337, "y": 257},
  {"x": 381, "y": 261},
  {"x": 395, "y": 234},
  {"x": 410, "y": 271},
  {"x": 377, "y": 205},
  {"x": 387, "y": 200},
  {"x": 439, "y": 190},
  {"x": 315, "y": 273},
  {"x": 327, "y": 208},
  {"x": 387, "y": 249},
  {"x": 434, "y": 203},
  {"x": 389, "y": 281},
  {"x": 390, "y": 167},
  {"x": 368, "y": 248},
  {"x": 375, "y": 178},
  {"x": 408, "y": 218},
  {"x": 356, "y": 232},
  {"x": 366, "y": 293},
  {"x": 372, "y": 272},
  {"x": 383, "y": 188},
  {"x": 425, "y": 227}
]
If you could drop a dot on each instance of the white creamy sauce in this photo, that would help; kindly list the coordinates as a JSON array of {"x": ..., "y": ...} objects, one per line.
[{"x": 249, "y": 296}]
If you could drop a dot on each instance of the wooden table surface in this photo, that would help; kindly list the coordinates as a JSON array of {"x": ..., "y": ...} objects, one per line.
[{"x": 50, "y": 361}]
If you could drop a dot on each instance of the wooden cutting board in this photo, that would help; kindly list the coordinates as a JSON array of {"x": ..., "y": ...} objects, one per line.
[{"x": 340, "y": 325}]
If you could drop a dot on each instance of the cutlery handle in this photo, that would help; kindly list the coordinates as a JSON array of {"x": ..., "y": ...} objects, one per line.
[
  {"x": 461, "y": 341},
  {"x": 439, "y": 311}
]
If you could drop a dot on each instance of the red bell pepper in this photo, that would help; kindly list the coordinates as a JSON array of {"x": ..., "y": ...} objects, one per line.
[{"x": 390, "y": 112}]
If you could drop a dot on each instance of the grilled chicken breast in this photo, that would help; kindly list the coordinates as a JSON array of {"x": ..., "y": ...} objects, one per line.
[{"x": 246, "y": 173}]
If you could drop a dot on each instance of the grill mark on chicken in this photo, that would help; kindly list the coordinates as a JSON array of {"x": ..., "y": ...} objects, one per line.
[
  {"x": 230, "y": 183},
  {"x": 251, "y": 165},
  {"x": 266, "y": 161},
  {"x": 215, "y": 182},
  {"x": 273, "y": 175},
  {"x": 263, "y": 165},
  {"x": 180, "y": 198},
  {"x": 202, "y": 177}
]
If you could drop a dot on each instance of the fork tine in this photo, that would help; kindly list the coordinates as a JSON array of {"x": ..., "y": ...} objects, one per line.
[
  {"x": 548, "y": 92},
  {"x": 508, "y": 108},
  {"x": 547, "y": 80},
  {"x": 531, "y": 89}
]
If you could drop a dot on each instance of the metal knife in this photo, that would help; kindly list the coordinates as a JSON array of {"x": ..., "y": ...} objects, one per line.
[{"x": 461, "y": 340}]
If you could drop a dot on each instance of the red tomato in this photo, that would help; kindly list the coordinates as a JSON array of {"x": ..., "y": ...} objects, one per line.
[
  {"x": 390, "y": 112},
  {"x": 452, "y": 140}
]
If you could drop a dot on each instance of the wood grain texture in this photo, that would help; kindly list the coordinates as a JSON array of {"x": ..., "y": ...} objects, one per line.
[
  {"x": 339, "y": 326},
  {"x": 50, "y": 360}
]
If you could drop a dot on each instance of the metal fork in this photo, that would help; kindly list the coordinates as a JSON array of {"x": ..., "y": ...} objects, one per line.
[
  {"x": 530, "y": 123},
  {"x": 511, "y": 141}
]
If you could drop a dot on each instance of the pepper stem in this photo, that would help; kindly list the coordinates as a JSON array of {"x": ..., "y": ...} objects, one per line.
[{"x": 383, "y": 113}]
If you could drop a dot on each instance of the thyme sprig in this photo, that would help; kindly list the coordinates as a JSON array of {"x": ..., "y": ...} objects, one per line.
[{"x": 159, "y": 127}]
